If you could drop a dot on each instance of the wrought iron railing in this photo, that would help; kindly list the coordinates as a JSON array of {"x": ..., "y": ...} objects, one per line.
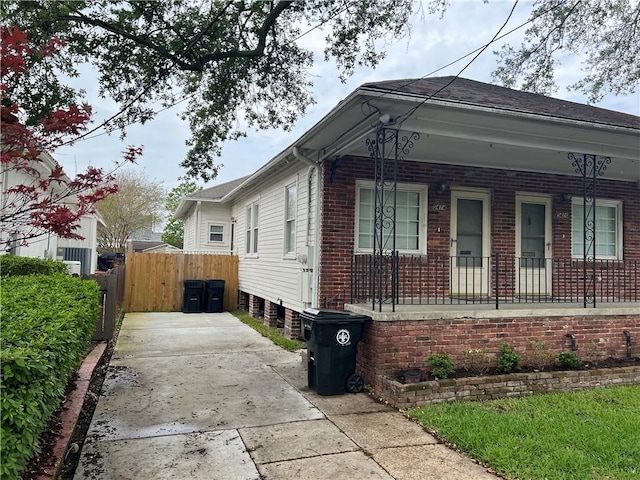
[{"x": 498, "y": 279}]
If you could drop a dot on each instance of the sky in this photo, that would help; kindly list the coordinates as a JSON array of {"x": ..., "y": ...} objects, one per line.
[{"x": 434, "y": 43}]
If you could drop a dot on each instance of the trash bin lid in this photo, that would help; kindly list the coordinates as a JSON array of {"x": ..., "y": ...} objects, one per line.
[{"x": 330, "y": 316}]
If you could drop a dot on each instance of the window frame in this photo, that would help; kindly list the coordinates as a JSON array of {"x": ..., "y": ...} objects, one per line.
[
  {"x": 252, "y": 228},
  {"x": 619, "y": 225},
  {"x": 423, "y": 198},
  {"x": 290, "y": 252},
  {"x": 216, "y": 224}
]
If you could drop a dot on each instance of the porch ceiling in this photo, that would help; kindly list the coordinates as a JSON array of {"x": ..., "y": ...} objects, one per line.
[{"x": 471, "y": 135}]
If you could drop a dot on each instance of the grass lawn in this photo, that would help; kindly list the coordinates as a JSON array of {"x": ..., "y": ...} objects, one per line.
[
  {"x": 269, "y": 332},
  {"x": 592, "y": 434}
]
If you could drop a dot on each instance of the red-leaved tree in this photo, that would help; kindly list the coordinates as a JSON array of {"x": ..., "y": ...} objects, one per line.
[{"x": 38, "y": 198}]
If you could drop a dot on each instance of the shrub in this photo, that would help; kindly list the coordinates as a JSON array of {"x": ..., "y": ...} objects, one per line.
[
  {"x": 569, "y": 360},
  {"x": 47, "y": 323},
  {"x": 476, "y": 360},
  {"x": 10, "y": 266},
  {"x": 441, "y": 365},
  {"x": 508, "y": 360},
  {"x": 538, "y": 355}
]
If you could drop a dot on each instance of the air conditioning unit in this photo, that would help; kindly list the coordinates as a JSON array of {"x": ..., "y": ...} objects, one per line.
[{"x": 74, "y": 267}]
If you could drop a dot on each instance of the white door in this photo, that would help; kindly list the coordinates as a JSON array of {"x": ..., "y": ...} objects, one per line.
[
  {"x": 533, "y": 246},
  {"x": 470, "y": 243}
]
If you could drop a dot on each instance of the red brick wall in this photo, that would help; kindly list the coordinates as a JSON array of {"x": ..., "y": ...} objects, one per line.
[
  {"x": 339, "y": 197},
  {"x": 390, "y": 347}
]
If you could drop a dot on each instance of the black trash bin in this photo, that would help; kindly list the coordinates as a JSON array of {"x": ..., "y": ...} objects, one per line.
[
  {"x": 192, "y": 300},
  {"x": 214, "y": 292},
  {"x": 332, "y": 337}
]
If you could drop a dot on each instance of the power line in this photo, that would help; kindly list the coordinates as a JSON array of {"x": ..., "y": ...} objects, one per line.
[{"x": 480, "y": 50}]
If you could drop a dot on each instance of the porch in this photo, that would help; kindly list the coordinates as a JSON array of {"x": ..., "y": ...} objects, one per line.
[{"x": 396, "y": 282}]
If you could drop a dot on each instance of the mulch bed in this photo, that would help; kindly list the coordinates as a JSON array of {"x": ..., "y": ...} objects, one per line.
[{"x": 464, "y": 373}]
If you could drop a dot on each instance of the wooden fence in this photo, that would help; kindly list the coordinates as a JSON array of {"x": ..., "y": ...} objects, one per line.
[{"x": 155, "y": 281}]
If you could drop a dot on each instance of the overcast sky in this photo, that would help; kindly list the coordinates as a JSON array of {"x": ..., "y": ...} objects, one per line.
[{"x": 434, "y": 43}]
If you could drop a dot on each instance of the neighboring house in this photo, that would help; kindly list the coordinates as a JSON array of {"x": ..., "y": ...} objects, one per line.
[
  {"x": 150, "y": 246},
  {"x": 48, "y": 245},
  {"x": 489, "y": 193}
]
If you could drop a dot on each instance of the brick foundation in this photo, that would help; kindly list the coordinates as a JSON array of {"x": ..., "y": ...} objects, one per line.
[
  {"x": 270, "y": 314},
  {"x": 292, "y": 324},
  {"x": 498, "y": 386},
  {"x": 243, "y": 301},
  {"x": 255, "y": 304}
]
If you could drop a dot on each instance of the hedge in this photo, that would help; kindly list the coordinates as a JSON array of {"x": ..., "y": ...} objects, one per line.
[
  {"x": 47, "y": 324},
  {"x": 10, "y": 265}
]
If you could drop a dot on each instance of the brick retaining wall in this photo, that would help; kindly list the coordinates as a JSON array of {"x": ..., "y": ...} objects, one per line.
[
  {"x": 498, "y": 386},
  {"x": 390, "y": 347}
]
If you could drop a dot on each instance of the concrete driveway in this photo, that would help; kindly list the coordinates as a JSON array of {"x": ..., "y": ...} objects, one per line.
[{"x": 203, "y": 396}]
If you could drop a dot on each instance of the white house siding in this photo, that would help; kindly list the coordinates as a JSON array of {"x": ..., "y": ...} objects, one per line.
[
  {"x": 190, "y": 224},
  {"x": 272, "y": 274},
  {"x": 214, "y": 214},
  {"x": 89, "y": 230}
]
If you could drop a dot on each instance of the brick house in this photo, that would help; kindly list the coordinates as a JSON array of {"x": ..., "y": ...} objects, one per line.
[{"x": 454, "y": 213}]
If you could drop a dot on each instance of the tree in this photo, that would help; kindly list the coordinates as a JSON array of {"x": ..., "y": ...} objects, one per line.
[
  {"x": 136, "y": 208},
  {"x": 37, "y": 197},
  {"x": 607, "y": 34},
  {"x": 239, "y": 63},
  {"x": 174, "y": 229}
]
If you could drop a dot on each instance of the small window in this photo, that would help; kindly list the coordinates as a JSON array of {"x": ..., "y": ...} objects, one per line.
[
  {"x": 216, "y": 233},
  {"x": 608, "y": 230},
  {"x": 251, "y": 222},
  {"x": 291, "y": 201}
]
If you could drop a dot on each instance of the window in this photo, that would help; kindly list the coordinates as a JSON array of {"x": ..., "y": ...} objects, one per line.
[
  {"x": 409, "y": 229},
  {"x": 216, "y": 233},
  {"x": 291, "y": 202},
  {"x": 251, "y": 240},
  {"x": 608, "y": 230}
]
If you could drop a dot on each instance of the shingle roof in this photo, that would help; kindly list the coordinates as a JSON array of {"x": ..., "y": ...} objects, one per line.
[
  {"x": 217, "y": 191},
  {"x": 482, "y": 94}
]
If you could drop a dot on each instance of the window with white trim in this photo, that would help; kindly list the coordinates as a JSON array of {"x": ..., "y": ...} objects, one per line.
[
  {"x": 410, "y": 231},
  {"x": 608, "y": 229},
  {"x": 251, "y": 222},
  {"x": 291, "y": 202},
  {"x": 216, "y": 233}
]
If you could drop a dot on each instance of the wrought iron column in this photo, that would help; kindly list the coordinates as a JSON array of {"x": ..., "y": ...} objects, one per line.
[
  {"x": 388, "y": 147},
  {"x": 590, "y": 167}
]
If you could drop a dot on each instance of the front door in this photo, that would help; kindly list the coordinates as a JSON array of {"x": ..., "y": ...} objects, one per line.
[
  {"x": 470, "y": 243},
  {"x": 533, "y": 246}
]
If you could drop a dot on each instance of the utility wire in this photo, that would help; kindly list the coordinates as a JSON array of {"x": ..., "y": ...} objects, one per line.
[
  {"x": 87, "y": 135},
  {"x": 481, "y": 50}
]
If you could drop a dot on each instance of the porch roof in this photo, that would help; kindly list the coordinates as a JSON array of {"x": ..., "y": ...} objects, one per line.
[{"x": 471, "y": 92}]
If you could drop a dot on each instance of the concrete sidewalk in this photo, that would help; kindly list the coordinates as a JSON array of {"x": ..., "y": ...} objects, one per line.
[{"x": 203, "y": 396}]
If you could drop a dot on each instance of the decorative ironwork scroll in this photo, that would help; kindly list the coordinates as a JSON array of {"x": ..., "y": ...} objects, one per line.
[
  {"x": 590, "y": 167},
  {"x": 388, "y": 147}
]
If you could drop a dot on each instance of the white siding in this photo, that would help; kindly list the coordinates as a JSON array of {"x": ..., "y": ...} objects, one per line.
[
  {"x": 190, "y": 222},
  {"x": 214, "y": 214},
  {"x": 89, "y": 230},
  {"x": 271, "y": 274}
]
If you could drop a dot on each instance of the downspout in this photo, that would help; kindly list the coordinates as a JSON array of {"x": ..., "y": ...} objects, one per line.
[{"x": 314, "y": 166}]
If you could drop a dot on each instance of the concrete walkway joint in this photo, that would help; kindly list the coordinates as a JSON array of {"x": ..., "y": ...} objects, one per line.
[{"x": 203, "y": 396}]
